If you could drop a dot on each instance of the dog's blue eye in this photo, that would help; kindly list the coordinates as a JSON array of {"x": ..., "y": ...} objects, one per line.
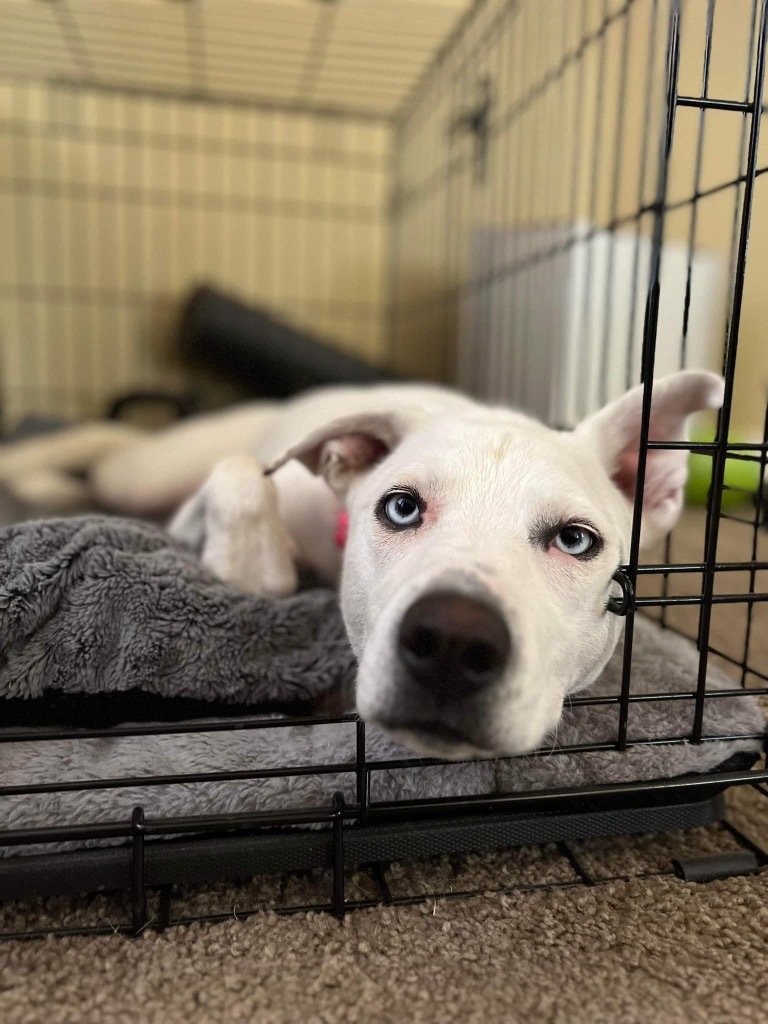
[
  {"x": 402, "y": 509},
  {"x": 574, "y": 540}
]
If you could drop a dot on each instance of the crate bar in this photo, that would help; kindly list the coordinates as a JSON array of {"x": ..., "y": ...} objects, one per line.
[
  {"x": 195, "y": 57},
  {"x": 702, "y": 599},
  {"x": 495, "y": 368},
  {"x": 602, "y": 795},
  {"x": 736, "y": 519},
  {"x": 186, "y": 143},
  {"x": 73, "y": 38},
  {"x": 576, "y": 55},
  {"x": 89, "y": 785},
  {"x": 170, "y": 729},
  {"x": 59, "y": 294},
  {"x": 513, "y": 281},
  {"x": 22, "y": 230},
  {"x": 219, "y": 99},
  {"x": 657, "y": 698},
  {"x": 720, "y": 456},
  {"x": 649, "y": 353},
  {"x": 534, "y": 47},
  {"x": 618, "y": 168},
  {"x": 87, "y": 931},
  {"x": 422, "y": 86},
  {"x": 556, "y": 799},
  {"x": 707, "y": 103},
  {"x": 410, "y": 196},
  {"x": 547, "y": 254},
  {"x": 273, "y": 26},
  {"x": 166, "y": 198},
  {"x": 170, "y": 826},
  {"x": 139, "y": 886},
  {"x": 378, "y": 872},
  {"x": 566, "y": 748},
  {"x": 659, "y": 568},
  {"x": 363, "y": 785},
  {"x": 706, "y": 447},
  {"x": 587, "y": 286},
  {"x": 164, "y": 914},
  {"x": 123, "y": 782},
  {"x": 742, "y": 154},
  {"x": 317, "y": 51},
  {"x": 649, "y": 75},
  {"x": 746, "y": 669},
  {"x": 692, "y": 226},
  {"x": 337, "y": 897},
  {"x": 567, "y": 851},
  {"x": 752, "y": 577},
  {"x": 407, "y": 61},
  {"x": 394, "y": 245},
  {"x": 414, "y": 899},
  {"x": 516, "y": 110},
  {"x": 758, "y": 457}
]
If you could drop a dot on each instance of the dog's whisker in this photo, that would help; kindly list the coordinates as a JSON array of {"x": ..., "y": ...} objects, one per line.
[{"x": 555, "y": 744}]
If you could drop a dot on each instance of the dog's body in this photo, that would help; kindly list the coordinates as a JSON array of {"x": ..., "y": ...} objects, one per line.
[{"x": 481, "y": 545}]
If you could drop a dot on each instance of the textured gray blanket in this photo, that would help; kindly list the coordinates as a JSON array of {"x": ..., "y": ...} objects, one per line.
[
  {"x": 95, "y": 604},
  {"x": 100, "y": 605}
]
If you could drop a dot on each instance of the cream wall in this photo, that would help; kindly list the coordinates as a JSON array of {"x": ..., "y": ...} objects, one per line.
[
  {"x": 574, "y": 138},
  {"x": 721, "y": 164},
  {"x": 113, "y": 206},
  {"x": 551, "y": 155}
]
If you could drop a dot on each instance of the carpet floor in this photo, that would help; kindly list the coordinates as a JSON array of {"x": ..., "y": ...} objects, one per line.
[
  {"x": 639, "y": 946},
  {"x": 637, "y": 950}
]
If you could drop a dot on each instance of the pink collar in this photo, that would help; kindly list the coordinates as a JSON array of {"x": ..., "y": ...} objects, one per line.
[{"x": 342, "y": 530}]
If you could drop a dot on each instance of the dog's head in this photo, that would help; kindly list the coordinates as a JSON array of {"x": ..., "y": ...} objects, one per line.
[{"x": 480, "y": 553}]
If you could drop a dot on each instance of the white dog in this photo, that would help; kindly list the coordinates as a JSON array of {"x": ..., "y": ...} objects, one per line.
[{"x": 480, "y": 549}]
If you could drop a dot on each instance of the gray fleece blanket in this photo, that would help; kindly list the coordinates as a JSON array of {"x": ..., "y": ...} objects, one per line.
[{"x": 95, "y": 605}]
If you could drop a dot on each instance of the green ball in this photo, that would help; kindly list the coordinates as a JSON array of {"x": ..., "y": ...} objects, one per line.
[{"x": 741, "y": 475}]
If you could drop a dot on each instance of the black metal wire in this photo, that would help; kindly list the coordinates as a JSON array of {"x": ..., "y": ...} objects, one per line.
[
  {"x": 592, "y": 371},
  {"x": 386, "y": 897},
  {"x": 648, "y": 356},
  {"x": 437, "y": 201},
  {"x": 139, "y": 893},
  {"x": 753, "y": 568},
  {"x": 724, "y": 419},
  {"x": 633, "y": 358},
  {"x": 683, "y": 361},
  {"x": 618, "y": 135}
]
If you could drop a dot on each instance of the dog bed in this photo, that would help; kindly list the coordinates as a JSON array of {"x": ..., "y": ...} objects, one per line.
[{"x": 109, "y": 620}]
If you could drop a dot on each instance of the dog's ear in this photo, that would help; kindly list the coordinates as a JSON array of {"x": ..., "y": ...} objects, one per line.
[
  {"x": 344, "y": 448},
  {"x": 614, "y": 432}
]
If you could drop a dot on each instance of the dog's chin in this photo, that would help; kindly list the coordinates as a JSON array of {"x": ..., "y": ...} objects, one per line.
[{"x": 436, "y": 740}]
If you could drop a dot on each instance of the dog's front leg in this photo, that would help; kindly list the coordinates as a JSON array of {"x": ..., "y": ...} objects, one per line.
[{"x": 234, "y": 523}]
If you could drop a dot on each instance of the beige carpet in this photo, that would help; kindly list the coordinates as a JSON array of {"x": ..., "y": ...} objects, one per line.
[
  {"x": 647, "y": 949},
  {"x": 650, "y": 949},
  {"x": 631, "y": 951}
]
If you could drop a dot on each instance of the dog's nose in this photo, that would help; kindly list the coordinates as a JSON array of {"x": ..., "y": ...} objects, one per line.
[{"x": 453, "y": 645}]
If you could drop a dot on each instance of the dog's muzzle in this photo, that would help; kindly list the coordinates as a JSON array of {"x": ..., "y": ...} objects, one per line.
[{"x": 453, "y": 646}]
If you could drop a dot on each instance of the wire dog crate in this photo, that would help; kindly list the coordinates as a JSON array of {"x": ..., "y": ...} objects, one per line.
[{"x": 544, "y": 203}]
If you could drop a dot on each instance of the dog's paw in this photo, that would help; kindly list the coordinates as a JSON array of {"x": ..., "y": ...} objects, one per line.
[
  {"x": 245, "y": 540},
  {"x": 237, "y": 488}
]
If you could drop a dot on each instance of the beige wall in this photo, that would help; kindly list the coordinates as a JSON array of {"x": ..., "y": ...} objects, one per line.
[
  {"x": 566, "y": 145},
  {"x": 112, "y": 207},
  {"x": 721, "y": 164}
]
